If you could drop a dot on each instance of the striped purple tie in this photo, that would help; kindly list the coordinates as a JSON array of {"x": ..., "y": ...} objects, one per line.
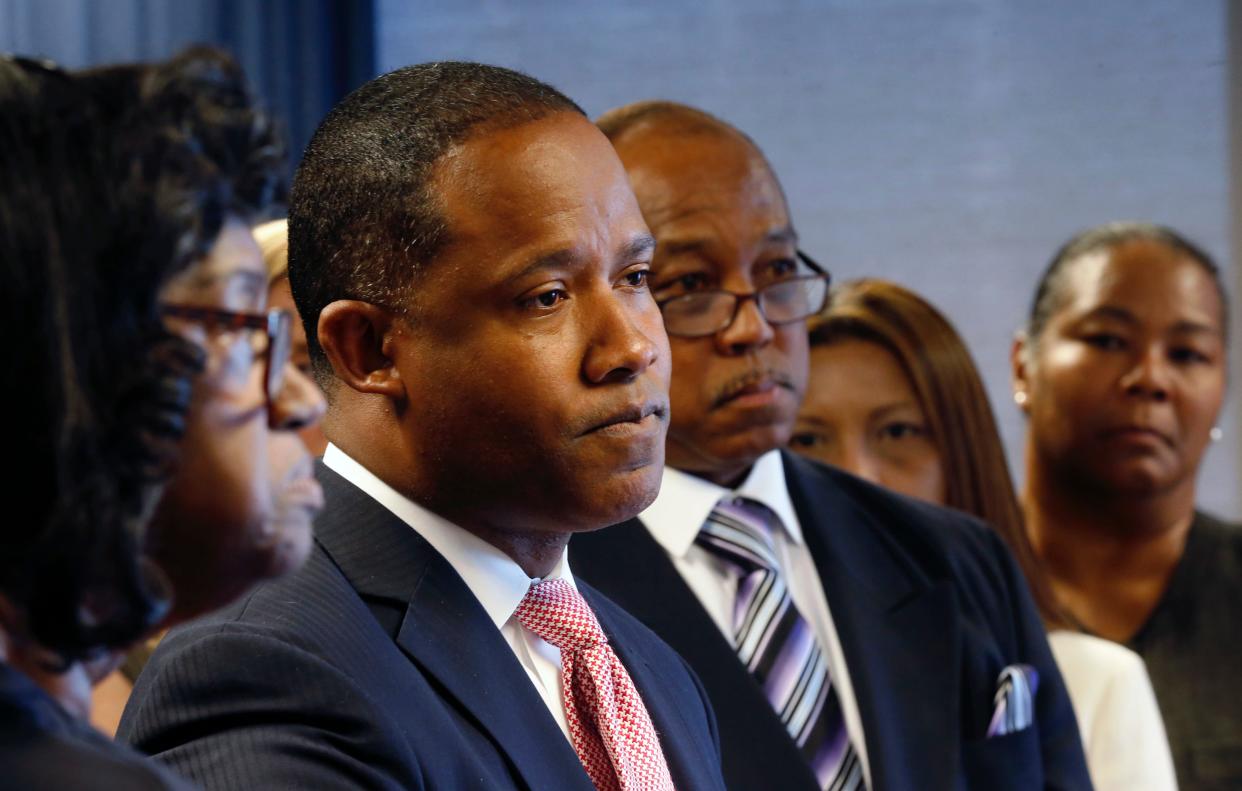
[{"x": 776, "y": 643}]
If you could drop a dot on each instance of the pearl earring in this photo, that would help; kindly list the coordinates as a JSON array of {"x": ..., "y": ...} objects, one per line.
[
  {"x": 1019, "y": 397},
  {"x": 1216, "y": 433}
]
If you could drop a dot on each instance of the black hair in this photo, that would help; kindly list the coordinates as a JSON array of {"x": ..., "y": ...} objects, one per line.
[
  {"x": 363, "y": 218},
  {"x": 113, "y": 181},
  {"x": 1048, "y": 297}
]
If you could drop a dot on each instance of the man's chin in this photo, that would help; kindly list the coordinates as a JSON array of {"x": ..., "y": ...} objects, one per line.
[{"x": 622, "y": 497}]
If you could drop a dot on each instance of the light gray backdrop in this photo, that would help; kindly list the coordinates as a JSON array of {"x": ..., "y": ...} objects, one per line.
[{"x": 950, "y": 146}]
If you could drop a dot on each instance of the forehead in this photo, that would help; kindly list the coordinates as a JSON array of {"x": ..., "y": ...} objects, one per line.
[
  {"x": 851, "y": 372},
  {"x": 714, "y": 184},
  {"x": 233, "y": 262},
  {"x": 549, "y": 184},
  {"x": 1153, "y": 282}
]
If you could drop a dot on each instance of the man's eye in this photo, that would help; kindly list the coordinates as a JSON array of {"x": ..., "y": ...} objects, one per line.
[
  {"x": 546, "y": 299},
  {"x": 638, "y": 278},
  {"x": 804, "y": 439},
  {"x": 783, "y": 267},
  {"x": 694, "y": 281}
]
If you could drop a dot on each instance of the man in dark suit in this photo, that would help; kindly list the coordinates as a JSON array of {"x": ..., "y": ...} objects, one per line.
[
  {"x": 847, "y": 637},
  {"x": 472, "y": 269}
]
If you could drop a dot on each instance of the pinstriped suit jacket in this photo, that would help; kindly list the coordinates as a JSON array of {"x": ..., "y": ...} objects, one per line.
[{"x": 375, "y": 667}]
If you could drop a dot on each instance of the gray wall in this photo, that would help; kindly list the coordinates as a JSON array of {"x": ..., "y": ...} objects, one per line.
[{"x": 950, "y": 146}]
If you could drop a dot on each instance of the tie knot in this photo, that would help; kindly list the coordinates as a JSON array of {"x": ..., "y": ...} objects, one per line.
[
  {"x": 556, "y": 612},
  {"x": 740, "y": 530}
]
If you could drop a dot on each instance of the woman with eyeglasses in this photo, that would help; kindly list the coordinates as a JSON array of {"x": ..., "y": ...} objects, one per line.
[
  {"x": 151, "y": 400},
  {"x": 894, "y": 397},
  {"x": 1121, "y": 372}
]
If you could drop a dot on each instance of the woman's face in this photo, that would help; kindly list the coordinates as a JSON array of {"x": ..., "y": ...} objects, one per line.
[
  {"x": 240, "y": 505},
  {"x": 861, "y": 414},
  {"x": 279, "y": 295},
  {"x": 1125, "y": 383}
]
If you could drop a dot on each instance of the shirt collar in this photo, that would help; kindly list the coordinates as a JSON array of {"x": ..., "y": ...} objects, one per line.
[
  {"x": 685, "y": 501},
  {"x": 494, "y": 578}
]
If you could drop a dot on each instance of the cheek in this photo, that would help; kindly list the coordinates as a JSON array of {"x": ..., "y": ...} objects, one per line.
[
  {"x": 791, "y": 340},
  {"x": 690, "y": 385}
]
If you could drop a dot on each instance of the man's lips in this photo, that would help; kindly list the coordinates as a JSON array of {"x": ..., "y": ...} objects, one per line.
[
  {"x": 629, "y": 417},
  {"x": 753, "y": 383}
]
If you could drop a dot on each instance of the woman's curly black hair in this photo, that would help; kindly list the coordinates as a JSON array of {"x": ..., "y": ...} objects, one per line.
[{"x": 111, "y": 181}]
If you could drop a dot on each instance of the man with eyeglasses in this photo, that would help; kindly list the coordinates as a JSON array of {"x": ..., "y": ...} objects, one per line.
[{"x": 847, "y": 637}]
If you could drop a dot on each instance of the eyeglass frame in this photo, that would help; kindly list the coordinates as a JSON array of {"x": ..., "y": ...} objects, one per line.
[
  {"x": 271, "y": 322},
  {"x": 739, "y": 299}
]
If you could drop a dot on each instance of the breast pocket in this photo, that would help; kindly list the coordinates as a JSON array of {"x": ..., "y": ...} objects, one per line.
[{"x": 1012, "y": 761}]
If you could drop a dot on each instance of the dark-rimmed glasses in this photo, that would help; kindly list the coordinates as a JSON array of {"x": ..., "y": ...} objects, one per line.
[
  {"x": 702, "y": 313},
  {"x": 276, "y": 322}
]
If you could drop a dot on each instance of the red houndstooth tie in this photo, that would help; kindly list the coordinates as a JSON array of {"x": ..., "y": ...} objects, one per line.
[{"x": 608, "y": 723}]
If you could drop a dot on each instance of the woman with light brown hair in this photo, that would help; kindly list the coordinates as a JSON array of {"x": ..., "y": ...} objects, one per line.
[{"x": 894, "y": 397}]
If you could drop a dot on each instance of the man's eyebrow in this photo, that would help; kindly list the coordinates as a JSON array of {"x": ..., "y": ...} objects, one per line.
[
  {"x": 636, "y": 248},
  {"x": 559, "y": 258},
  {"x": 786, "y": 235}
]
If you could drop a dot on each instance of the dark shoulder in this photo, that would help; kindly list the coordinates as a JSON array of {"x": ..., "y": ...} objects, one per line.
[
  {"x": 1214, "y": 550},
  {"x": 1217, "y": 530},
  {"x": 935, "y": 539},
  {"x": 74, "y": 756},
  {"x": 309, "y": 624}
]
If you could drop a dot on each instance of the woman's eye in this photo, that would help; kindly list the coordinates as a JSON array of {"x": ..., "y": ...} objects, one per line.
[
  {"x": 902, "y": 430},
  {"x": 1105, "y": 341},
  {"x": 1186, "y": 354}
]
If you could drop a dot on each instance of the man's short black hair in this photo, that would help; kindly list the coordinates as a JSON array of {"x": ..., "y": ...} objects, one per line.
[{"x": 362, "y": 216}]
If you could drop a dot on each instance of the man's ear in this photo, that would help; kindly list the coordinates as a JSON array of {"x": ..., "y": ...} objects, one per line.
[
  {"x": 1019, "y": 356},
  {"x": 356, "y": 336}
]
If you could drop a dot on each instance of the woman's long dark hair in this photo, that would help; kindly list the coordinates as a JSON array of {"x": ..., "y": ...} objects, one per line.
[{"x": 111, "y": 182}]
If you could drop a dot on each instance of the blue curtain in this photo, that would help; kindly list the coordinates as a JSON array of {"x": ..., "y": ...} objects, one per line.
[{"x": 302, "y": 56}]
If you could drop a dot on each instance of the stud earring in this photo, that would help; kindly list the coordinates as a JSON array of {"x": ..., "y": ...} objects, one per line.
[
  {"x": 1019, "y": 397},
  {"x": 1216, "y": 433}
]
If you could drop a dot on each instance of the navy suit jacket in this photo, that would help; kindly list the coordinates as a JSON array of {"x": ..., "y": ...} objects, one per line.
[
  {"x": 43, "y": 747},
  {"x": 929, "y": 607},
  {"x": 375, "y": 667}
]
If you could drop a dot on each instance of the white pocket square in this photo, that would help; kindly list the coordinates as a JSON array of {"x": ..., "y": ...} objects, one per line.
[{"x": 1014, "y": 700}]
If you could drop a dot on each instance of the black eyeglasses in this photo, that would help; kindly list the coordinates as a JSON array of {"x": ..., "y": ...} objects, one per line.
[
  {"x": 277, "y": 323},
  {"x": 702, "y": 313}
]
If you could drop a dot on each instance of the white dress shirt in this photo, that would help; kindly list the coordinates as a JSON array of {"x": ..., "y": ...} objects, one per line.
[
  {"x": 492, "y": 576},
  {"x": 674, "y": 519}
]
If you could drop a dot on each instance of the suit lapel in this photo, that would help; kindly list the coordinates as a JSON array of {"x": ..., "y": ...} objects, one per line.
[
  {"x": 447, "y": 633},
  {"x": 634, "y": 571},
  {"x": 898, "y": 632},
  {"x": 685, "y": 750}
]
